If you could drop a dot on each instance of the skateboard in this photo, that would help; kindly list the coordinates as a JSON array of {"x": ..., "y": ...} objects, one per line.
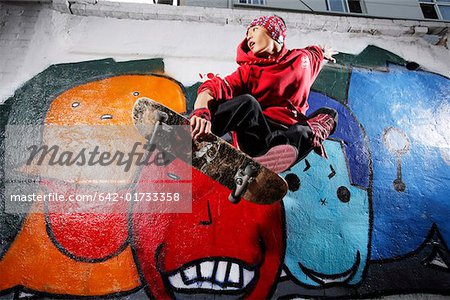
[{"x": 210, "y": 154}]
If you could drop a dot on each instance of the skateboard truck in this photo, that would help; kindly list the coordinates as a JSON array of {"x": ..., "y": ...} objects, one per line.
[
  {"x": 242, "y": 179},
  {"x": 160, "y": 117}
]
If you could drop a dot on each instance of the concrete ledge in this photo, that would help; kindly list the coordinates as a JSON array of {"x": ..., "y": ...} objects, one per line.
[{"x": 26, "y": 1}]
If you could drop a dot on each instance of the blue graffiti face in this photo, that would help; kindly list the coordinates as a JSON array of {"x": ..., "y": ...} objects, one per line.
[
  {"x": 327, "y": 221},
  {"x": 405, "y": 115}
]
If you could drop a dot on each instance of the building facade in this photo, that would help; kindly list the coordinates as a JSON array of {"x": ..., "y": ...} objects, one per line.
[{"x": 400, "y": 9}]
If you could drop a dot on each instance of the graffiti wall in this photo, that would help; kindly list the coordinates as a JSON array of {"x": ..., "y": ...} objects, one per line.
[{"x": 370, "y": 220}]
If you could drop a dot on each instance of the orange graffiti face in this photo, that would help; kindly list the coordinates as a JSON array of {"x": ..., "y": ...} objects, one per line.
[
  {"x": 85, "y": 254},
  {"x": 110, "y": 101},
  {"x": 98, "y": 115}
]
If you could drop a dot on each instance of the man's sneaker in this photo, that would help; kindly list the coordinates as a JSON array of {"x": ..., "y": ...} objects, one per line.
[
  {"x": 322, "y": 125},
  {"x": 278, "y": 158}
]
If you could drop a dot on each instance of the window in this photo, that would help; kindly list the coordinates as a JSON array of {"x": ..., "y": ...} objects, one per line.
[
  {"x": 435, "y": 9},
  {"x": 353, "y": 6},
  {"x": 169, "y": 2},
  {"x": 261, "y": 2},
  {"x": 336, "y": 5}
]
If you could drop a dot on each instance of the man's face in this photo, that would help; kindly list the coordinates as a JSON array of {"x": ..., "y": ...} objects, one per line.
[{"x": 259, "y": 41}]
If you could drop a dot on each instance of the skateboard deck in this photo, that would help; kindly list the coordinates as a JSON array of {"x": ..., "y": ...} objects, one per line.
[{"x": 210, "y": 154}]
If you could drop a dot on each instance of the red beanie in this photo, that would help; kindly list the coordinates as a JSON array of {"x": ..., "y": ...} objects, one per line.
[{"x": 274, "y": 25}]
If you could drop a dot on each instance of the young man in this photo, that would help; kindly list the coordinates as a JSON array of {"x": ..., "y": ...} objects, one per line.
[{"x": 265, "y": 100}]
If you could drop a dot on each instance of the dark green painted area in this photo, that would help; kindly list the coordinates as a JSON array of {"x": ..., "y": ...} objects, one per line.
[
  {"x": 333, "y": 80},
  {"x": 372, "y": 57},
  {"x": 9, "y": 223},
  {"x": 376, "y": 58},
  {"x": 30, "y": 103},
  {"x": 191, "y": 95}
]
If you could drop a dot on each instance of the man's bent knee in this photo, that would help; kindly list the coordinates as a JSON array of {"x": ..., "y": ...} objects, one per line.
[{"x": 249, "y": 100}]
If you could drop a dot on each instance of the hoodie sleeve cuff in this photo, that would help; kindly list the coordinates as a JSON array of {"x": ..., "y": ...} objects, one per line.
[{"x": 203, "y": 113}]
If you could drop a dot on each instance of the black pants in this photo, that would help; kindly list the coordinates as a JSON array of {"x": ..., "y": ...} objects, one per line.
[{"x": 255, "y": 133}]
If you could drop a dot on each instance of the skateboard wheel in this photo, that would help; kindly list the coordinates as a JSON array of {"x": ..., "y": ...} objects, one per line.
[
  {"x": 233, "y": 199},
  {"x": 161, "y": 116},
  {"x": 250, "y": 170}
]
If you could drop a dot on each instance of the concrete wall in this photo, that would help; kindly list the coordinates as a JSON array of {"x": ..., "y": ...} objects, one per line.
[
  {"x": 372, "y": 220},
  {"x": 17, "y": 29}
]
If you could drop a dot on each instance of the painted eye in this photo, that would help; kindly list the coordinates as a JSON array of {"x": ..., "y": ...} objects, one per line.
[
  {"x": 106, "y": 117},
  {"x": 343, "y": 194},
  {"x": 173, "y": 176},
  {"x": 75, "y": 104},
  {"x": 135, "y": 94},
  {"x": 293, "y": 182}
]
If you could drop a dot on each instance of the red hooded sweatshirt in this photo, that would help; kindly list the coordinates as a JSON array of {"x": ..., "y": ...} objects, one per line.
[{"x": 280, "y": 85}]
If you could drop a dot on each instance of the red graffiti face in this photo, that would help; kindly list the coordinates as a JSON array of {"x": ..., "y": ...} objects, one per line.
[{"x": 219, "y": 248}]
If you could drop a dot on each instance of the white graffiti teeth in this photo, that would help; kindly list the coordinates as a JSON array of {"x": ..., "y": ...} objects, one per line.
[{"x": 216, "y": 275}]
